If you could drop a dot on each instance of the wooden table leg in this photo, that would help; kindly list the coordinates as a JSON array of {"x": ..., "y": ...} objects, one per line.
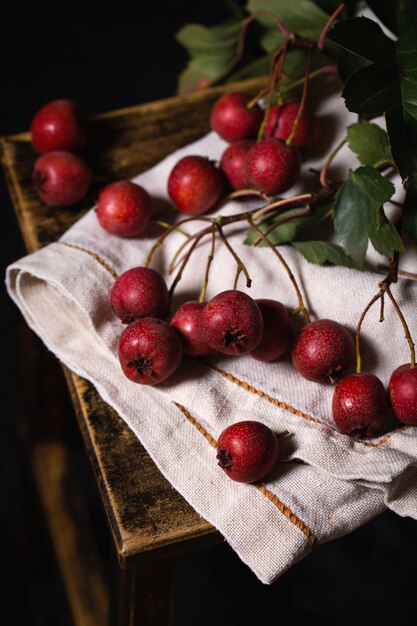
[{"x": 145, "y": 595}]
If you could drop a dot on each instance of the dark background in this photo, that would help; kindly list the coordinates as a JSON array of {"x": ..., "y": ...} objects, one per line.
[{"x": 104, "y": 59}]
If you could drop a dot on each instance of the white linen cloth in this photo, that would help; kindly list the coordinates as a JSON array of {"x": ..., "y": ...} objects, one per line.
[{"x": 327, "y": 483}]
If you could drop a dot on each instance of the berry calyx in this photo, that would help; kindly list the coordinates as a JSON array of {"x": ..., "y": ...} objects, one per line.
[
  {"x": 61, "y": 178},
  {"x": 139, "y": 292},
  {"x": 272, "y": 167},
  {"x": 403, "y": 393},
  {"x": 231, "y": 323},
  {"x": 360, "y": 405},
  {"x": 277, "y": 331},
  {"x": 195, "y": 184},
  {"x": 323, "y": 351},
  {"x": 187, "y": 323},
  {"x": 59, "y": 125},
  {"x": 281, "y": 121},
  {"x": 149, "y": 351},
  {"x": 233, "y": 120},
  {"x": 247, "y": 451},
  {"x": 233, "y": 161},
  {"x": 124, "y": 208}
]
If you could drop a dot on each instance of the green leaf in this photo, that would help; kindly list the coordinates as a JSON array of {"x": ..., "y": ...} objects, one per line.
[
  {"x": 301, "y": 16},
  {"x": 355, "y": 209},
  {"x": 409, "y": 218},
  {"x": 369, "y": 142},
  {"x": 259, "y": 67},
  {"x": 219, "y": 42},
  {"x": 321, "y": 252},
  {"x": 371, "y": 90},
  {"x": 385, "y": 237},
  {"x": 348, "y": 63},
  {"x": 363, "y": 37}
]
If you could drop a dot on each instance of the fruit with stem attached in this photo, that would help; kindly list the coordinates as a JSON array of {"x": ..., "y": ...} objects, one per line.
[
  {"x": 272, "y": 167},
  {"x": 360, "y": 405},
  {"x": 277, "y": 331},
  {"x": 281, "y": 122},
  {"x": 139, "y": 292},
  {"x": 233, "y": 161},
  {"x": 61, "y": 178},
  {"x": 187, "y": 323},
  {"x": 195, "y": 184},
  {"x": 323, "y": 351},
  {"x": 231, "y": 323},
  {"x": 124, "y": 208},
  {"x": 403, "y": 393},
  {"x": 233, "y": 120},
  {"x": 59, "y": 125},
  {"x": 149, "y": 351},
  {"x": 247, "y": 451}
]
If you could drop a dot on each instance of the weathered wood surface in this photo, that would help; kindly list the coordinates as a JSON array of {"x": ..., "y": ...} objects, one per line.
[{"x": 149, "y": 520}]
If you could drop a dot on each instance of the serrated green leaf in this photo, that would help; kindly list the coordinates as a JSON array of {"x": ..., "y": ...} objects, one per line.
[
  {"x": 363, "y": 37},
  {"x": 217, "y": 41},
  {"x": 371, "y": 90},
  {"x": 409, "y": 218},
  {"x": 355, "y": 208},
  {"x": 303, "y": 17},
  {"x": 385, "y": 237},
  {"x": 348, "y": 63},
  {"x": 321, "y": 252},
  {"x": 191, "y": 77},
  {"x": 369, "y": 142}
]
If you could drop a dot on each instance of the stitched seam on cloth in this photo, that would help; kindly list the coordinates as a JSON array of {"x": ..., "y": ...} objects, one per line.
[
  {"x": 283, "y": 508},
  {"x": 291, "y": 409},
  {"x": 95, "y": 256}
]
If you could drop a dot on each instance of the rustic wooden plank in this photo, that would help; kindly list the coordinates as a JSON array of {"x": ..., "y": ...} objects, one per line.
[
  {"x": 149, "y": 520},
  {"x": 70, "y": 530}
]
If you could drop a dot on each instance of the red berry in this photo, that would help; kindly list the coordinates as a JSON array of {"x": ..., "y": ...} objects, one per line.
[
  {"x": 61, "y": 178},
  {"x": 403, "y": 393},
  {"x": 247, "y": 451},
  {"x": 233, "y": 163},
  {"x": 195, "y": 184},
  {"x": 323, "y": 350},
  {"x": 281, "y": 120},
  {"x": 231, "y": 118},
  {"x": 232, "y": 323},
  {"x": 59, "y": 125},
  {"x": 149, "y": 351},
  {"x": 360, "y": 405},
  {"x": 272, "y": 167},
  {"x": 124, "y": 208},
  {"x": 139, "y": 292},
  {"x": 187, "y": 323},
  {"x": 278, "y": 331}
]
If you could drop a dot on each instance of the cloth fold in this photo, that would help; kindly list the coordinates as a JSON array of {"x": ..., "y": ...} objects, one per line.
[{"x": 327, "y": 483}]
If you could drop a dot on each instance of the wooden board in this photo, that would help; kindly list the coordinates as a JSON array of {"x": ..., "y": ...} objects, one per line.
[{"x": 148, "y": 519}]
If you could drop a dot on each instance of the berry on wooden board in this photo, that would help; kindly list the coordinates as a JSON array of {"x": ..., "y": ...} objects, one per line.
[
  {"x": 61, "y": 178},
  {"x": 59, "y": 125}
]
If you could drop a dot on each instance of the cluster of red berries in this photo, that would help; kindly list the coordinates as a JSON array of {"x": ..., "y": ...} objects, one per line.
[{"x": 59, "y": 133}]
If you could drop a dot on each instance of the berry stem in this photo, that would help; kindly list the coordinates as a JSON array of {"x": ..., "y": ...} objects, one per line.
[
  {"x": 23, "y": 138},
  {"x": 300, "y": 213},
  {"x": 326, "y": 69},
  {"x": 405, "y": 326},
  {"x": 328, "y": 25},
  {"x": 303, "y": 99},
  {"x": 184, "y": 263},
  {"x": 358, "y": 330},
  {"x": 285, "y": 202},
  {"x": 275, "y": 77},
  {"x": 209, "y": 262},
  {"x": 164, "y": 235},
  {"x": 184, "y": 244},
  {"x": 242, "y": 193},
  {"x": 301, "y": 305},
  {"x": 240, "y": 265},
  {"x": 323, "y": 174},
  {"x": 166, "y": 225}
]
